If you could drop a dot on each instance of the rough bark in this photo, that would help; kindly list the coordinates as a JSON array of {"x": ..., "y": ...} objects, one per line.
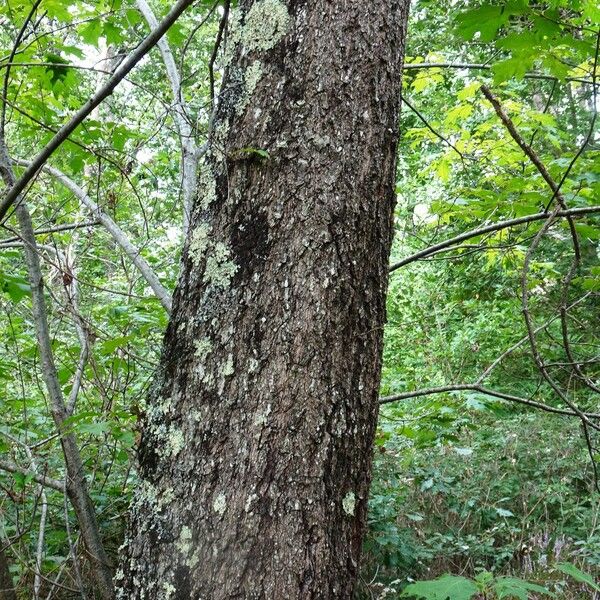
[{"x": 255, "y": 454}]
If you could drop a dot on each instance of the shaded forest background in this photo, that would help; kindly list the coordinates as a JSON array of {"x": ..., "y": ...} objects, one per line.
[{"x": 486, "y": 336}]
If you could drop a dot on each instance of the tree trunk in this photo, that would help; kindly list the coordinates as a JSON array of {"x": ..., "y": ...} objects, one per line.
[{"x": 255, "y": 455}]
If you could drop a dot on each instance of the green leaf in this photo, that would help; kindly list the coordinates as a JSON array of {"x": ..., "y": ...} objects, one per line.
[
  {"x": 511, "y": 67},
  {"x": 114, "y": 35},
  {"x": 587, "y": 231},
  {"x": 16, "y": 287},
  {"x": 511, "y": 587},
  {"x": 486, "y": 20},
  {"x": 446, "y": 587},
  {"x": 91, "y": 32},
  {"x": 578, "y": 575},
  {"x": 109, "y": 346},
  {"x": 93, "y": 428}
]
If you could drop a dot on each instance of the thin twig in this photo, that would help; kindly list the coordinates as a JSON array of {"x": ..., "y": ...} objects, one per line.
[{"x": 107, "y": 89}]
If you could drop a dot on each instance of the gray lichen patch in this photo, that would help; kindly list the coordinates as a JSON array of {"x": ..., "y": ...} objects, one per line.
[
  {"x": 235, "y": 33},
  {"x": 169, "y": 590},
  {"x": 219, "y": 269},
  {"x": 202, "y": 348},
  {"x": 184, "y": 543},
  {"x": 148, "y": 494},
  {"x": 249, "y": 501},
  {"x": 185, "y": 546},
  {"x": 252, "y": 76},
  {"x": 199, "y": 243},
  {"x": 228, "y": 369},
  {"x": 266, "y": 23},
  {"x": 220, "y": 504},
  {"x": 207, "y": 187},
  {"x": 175, "y": 441},
  {"x": 349, "y": 503}
]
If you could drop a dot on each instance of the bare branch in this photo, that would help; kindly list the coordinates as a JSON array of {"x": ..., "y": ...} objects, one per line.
[
  {"x": 57, "y": 229},
  {"x": 573, "y": 212},
  {"x": 11, "y": 467},
  {"x": 524, "y": 339},
  {"x": 474, "y": 387},
  {"x": 107, "y": 89},
  {"x": 485, "y": 67},
  {"x": 189, "y": 160},
  {"x": 115, "y": 231}
]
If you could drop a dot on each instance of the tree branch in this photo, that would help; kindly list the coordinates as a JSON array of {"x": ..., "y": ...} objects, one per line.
[
  {"x": 57, "y": 229},
  {"x": 115, "y": 231},
  {"x": 485, "y": 67},
  {"x": 573, "y": 212},
  {"x": 106, "y": 90},
  {"x": 11, "y": 467},
  {"x": 474, "y": 387},
  {"x": 189, "y": 159}
]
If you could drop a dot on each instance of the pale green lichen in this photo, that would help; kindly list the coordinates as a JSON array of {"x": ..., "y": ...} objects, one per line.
[
  {"x": 228, "y": 368},
  {"x": 219, "y": 269},
  {"x": 166, "y": 497},
  {"x": 169, "y": 590},
  {"x": 265, "y": 24},
  {"x": 175, "y": 441},
  {"x": 251, "y": 78},
  {"x": 150, "y": 495},
  {"x": 220, "y": 504},
  {"x": 349, "y": 503},
  {"x": 203, "y": 348},
  {"x": 249, "y": 500},
  {"x": 207, "y": 187},
  {"x": 234, "y": 35},
  {"x": 263, "y": 418},
  {"x": 199, "y": 243},
  {"x": 184, "y": 544}
]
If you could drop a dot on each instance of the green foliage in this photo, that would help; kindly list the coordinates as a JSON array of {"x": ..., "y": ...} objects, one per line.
[
  {"x": 578, "y": 575},
  {"x": 466, "y": 483},
  {"x": 471, "y": 494},
  {"x": 447, "y": 587}
]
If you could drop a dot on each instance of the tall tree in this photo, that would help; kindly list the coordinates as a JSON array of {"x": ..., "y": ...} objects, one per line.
[{"x": 256, "y": 447}]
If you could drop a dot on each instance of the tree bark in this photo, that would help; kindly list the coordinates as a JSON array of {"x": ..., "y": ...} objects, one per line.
[{"x": 255, "y": 454}]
